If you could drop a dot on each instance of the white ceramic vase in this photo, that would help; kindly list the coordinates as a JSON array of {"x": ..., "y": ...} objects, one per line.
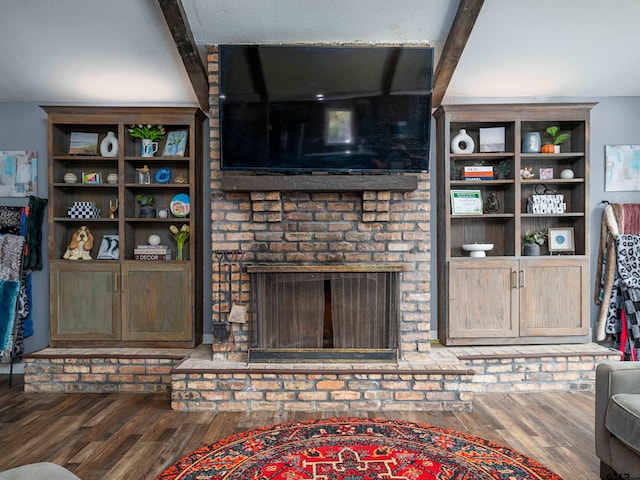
[
  {"x": 462, "y": 142},
  {"x": 109, "y": 145}
]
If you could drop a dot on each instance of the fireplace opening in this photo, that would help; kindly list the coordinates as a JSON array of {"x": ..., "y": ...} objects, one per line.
[{"x": 324, "y": 315}]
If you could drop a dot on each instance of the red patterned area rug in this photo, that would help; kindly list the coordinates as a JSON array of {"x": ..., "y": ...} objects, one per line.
[{"x": 354, "y": 449}]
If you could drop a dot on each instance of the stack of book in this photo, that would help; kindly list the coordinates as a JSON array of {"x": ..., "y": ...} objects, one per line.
[
  {"x": 152, "y": 252},
  {"x": 478, "y": 172}
]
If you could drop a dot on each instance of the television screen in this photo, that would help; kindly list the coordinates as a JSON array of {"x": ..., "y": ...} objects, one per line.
[{"x": 325, "y": 108}]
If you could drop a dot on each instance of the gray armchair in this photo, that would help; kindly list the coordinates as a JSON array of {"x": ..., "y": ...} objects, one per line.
[{"x": 617, "y": 419}]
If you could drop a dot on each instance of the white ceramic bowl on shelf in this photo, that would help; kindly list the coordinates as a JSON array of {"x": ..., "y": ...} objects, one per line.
[{"x": 477, "y": 249}]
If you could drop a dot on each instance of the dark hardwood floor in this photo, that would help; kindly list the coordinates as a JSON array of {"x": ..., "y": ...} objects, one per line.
[{"x": 120, "y": 436}]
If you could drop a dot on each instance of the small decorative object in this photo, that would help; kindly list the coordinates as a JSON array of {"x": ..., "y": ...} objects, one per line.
[
  {"x": 149, "y": 134},
  {"x": 492, "y": 205},
  {"x": 91, "y": 178},
  {"x": 477, "y": 249},
  {"x": 561, "y": 240},
  {"x": 546, "y": 201},
  {"x": 80, "y": 245},
  {"x": 81, "y": 143},
  {"x": 556, "y": 139},
  {"x": 163, "y": 175},
  {"x": 454, "y": 171},
  {"x": 144, "y": 175},
  {"x": 112, "y": 179},
  {"x": 567, "y": 174},
  {"x": 70, "y": 177},
  {"x": 492, "y": 139},
  {"x": 109, "y": 248},
  {"x": 180, "y": 236},
  {"x": 466, "y": 202},
  {"x": 546, "y": 174},
  {"x": 147, "y": 208},
  {"x": 176, "y": 143},
  {"x": 526, "y": 173},
  {"x": 113, "y": 208},
  {"x": 83, "y": 210},
  {"x": 109, "y": 145},
  {"x": 180, "y": 205},
  {"x": 163, "y": 213},
  {"x": 462, "y": 142},
  {"x": 154, "y": 240},
  {"x": 531, "y": 242},
  {"x": 531, "y": 142},
  {"x": 504, "y": 169},
  {"x": 180, "y": 178}
]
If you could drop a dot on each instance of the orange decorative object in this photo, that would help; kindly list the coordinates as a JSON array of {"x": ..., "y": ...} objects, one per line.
[{"x": 547, "y": 148}]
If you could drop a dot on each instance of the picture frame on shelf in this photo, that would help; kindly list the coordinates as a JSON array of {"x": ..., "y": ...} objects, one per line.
[
  {"x": 546, "y": 173},
  {"x": 92, "y": 178},
  {"x": 176, "y": 143},
  {"x": 109, "y": 247},
  {"x": 466, "y": 202},
  {"x": 83, "y": 143},
  {"x": 492, "y": 140},
  {"x": 561, "y": 240}
]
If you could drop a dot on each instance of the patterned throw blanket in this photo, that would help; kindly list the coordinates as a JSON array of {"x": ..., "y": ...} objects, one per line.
[
  {"x": 11, "y": 326},
  {"x": 627, "y": 292}
]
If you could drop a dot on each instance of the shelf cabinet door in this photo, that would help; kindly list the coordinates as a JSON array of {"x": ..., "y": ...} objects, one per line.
[
  {"x": 84, "y": 301},
  {"x": 157, "y": 301},
  {"x": 483, "y": 300},
  {"x": 554, "y": 297}
]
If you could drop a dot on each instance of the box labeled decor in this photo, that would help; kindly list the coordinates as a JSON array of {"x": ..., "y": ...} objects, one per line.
[
  {"x": 478, "y": 172},
  {"x": 152, "y": 252}
]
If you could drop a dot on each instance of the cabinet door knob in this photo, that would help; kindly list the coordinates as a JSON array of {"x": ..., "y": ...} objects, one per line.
[
  {"x": 524, "y": 279},
  {"x": 514, "y": 279},
  {"x": 115, "y": 283}
]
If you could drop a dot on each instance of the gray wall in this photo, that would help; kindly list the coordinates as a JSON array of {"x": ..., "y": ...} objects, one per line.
[
  {"x": 23, "y": 126},
  {"x": 615, "y": 120}
]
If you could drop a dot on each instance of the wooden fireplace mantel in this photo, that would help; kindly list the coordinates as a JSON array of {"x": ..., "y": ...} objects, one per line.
[
  {"x": 318, "y": 183},
  {"x": 355, "y": 267}
]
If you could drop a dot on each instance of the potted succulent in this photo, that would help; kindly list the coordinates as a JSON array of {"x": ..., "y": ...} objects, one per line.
[
  {"x": 556, "y": 139},
  {"x": 504, "y": 170},
  {"x": 531, "y": 241},
  {"x": 147, "y": 205}
]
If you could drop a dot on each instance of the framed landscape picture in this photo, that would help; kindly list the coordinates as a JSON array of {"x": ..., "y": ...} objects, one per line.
[{"x": 82, "y": 143}]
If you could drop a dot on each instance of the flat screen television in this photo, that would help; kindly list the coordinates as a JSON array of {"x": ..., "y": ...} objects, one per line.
[{"x": 295, "y": 108}]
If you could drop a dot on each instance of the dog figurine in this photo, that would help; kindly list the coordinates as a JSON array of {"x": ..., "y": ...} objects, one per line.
[{"x": 80, "y": 246}]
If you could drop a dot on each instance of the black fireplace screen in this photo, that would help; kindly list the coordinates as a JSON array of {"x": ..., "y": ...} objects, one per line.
[{"x": 325, "y": 311}]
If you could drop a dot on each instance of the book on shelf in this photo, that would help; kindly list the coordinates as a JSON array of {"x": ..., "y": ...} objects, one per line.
[{"x": 478, "y": 172}]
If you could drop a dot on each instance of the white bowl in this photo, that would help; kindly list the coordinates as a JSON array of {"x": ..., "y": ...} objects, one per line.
[{"x": 477, "y": 249}]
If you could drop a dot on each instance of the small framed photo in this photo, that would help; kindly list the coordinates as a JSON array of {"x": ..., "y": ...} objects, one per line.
[
  {"x": 109, "y": 248},
  {"x": 176, "y": 143},
  {"x": 339, "y": 126},
  {"x": 91, "y": 178},
  {"x": 466, "y": 202},
  {"x": 561, "y": 240},
  {"x": 82, "y": 143},
  {"x": 546, "y": 174}
]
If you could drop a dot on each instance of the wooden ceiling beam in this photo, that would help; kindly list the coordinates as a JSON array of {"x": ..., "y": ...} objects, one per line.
[
  {"x": 178, "y": 24},
  {"x": 463, "y": 23}
]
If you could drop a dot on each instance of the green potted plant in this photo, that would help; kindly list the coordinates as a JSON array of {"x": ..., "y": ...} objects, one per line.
[
  {"x": 531, "y": 241},
  {"x": 556, "y": 139},
  {"x": 147, "y": 205},
  {"x": 504, "y": 169},
  {"x": 149, "y": 135}
]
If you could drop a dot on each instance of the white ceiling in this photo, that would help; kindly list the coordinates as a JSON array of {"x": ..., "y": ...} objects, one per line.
[{"x": 122, "y": 52}]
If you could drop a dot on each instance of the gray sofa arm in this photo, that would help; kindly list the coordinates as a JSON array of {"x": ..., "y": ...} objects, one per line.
[{"x": 612, "y": 378}]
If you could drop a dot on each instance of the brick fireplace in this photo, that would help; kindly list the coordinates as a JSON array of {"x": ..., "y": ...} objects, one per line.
[{"x": 349, "y": 221}]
